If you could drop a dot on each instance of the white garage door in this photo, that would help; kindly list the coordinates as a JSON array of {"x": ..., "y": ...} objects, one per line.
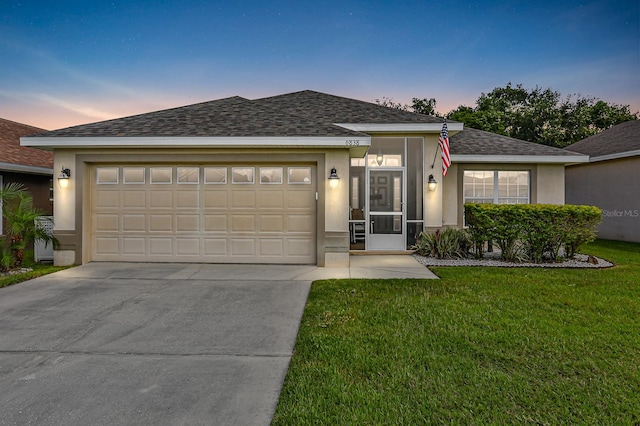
[{"x": 205, "y": 213}]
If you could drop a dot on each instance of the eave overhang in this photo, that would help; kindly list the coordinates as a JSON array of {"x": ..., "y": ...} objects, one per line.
[
  {"x": 419, "y": 128},
  {"x": 357, "y": 145},
  {"x": 22, "y": 168},
  {"x": 515, "y": 159}
]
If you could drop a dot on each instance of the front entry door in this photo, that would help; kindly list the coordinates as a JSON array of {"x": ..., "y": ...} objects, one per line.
[{"x": 386, "y": 210}]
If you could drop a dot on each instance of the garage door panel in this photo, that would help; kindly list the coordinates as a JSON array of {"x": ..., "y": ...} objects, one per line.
[
  {"x": 134, "y": 222},
  {"x": 188, "y": 200},
  {"x": 187, "y": 223},
  {"x": 160, "y": 223},
  {"x": 107, "y": 222},
  {"x": 270, "y": 223},
  {"x": 215, "y": 199},
  {"x": 215, "y": 247},
  {"x": 161, "y": 246},
  {"x": 134, "y": 245},
  {"x": 243, "y": 223},
  {"x": 243, "y": 199},
  {"x": 107, "y": 245},
  {"x": 187, "y": 246},
  {"x": 243, "y": 247},
  {"x": 207, "y": 220},
  {"x": 272, "y": 247},
  {"x": 160, "y": 199},
  {"x": 273, "y": 199},
  {"x": 134, "y": 199},
  {"x": 107, "y": 199},
  {"x": 215, "y": 223}
]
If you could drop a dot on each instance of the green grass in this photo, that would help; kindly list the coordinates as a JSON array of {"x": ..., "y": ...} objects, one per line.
[
  {"x": 38, "y": 271},
  {"x": 480, "y": 346}
]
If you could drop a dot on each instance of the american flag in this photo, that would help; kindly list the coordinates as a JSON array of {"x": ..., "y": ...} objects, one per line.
[{"x": 444, "y": 147}]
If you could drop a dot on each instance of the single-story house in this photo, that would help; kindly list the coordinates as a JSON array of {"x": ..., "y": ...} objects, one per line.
[
  {"x": 303, "y": 177},
  {"x": 610, "y": 180},
  {"x": 31, "y": 167}
]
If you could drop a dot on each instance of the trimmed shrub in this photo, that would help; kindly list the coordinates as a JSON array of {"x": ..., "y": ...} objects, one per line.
[
  {"x": 532, "y": 231},
  {"x": 448, "y": 244}
]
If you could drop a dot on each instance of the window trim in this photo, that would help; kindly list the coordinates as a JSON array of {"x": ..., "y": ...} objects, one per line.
[{"x": 496, "y": 188}]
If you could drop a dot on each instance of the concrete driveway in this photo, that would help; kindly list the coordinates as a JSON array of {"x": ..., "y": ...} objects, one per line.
[
  {"x": 145, "y": 344},
  {"x": 155, "y": 344}
]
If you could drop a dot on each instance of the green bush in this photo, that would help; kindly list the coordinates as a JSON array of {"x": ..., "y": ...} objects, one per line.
[
  {"x": 448, "y": 244},
  {"x": 532, "y": 231}
]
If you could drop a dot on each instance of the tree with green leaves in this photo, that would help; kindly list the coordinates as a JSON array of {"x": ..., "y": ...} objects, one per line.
[
  {"x": 22, "y": 225},
  {"x": 425, "y": 106},
  {"x": 541, "y": 115}
]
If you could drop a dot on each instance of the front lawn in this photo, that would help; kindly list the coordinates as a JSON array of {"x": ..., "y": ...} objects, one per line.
[
  {"x": 37, "y": 270},
  {"x": 480, "y": 346}
]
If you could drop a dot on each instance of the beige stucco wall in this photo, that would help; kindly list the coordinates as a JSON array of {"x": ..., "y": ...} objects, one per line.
[
  {"x": 433, "y": 200},
  {"x": 71, "y": 205},
  {"x": 550, "y": 184},
  {"x": 613, "y": 186}
]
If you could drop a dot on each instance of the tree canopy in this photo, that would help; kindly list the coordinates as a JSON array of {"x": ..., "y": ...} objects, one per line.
[
  {"x": 537, "y": 115},
  {"x": 541, "y": 115}
]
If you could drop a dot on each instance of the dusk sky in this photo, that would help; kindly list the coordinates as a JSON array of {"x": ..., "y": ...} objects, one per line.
[{"x": 64, "y": 62}]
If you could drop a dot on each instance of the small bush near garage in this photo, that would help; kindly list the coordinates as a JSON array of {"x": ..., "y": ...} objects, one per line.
[{"x": 531, "y": 231}]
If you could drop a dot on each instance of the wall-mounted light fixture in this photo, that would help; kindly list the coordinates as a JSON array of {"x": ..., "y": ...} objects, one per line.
[
  {"x": 432, "y": 183},
  {"x": 63, "y": 177},
  {"x": 379, "y": 158},
  {"x": 334, "y": 180}
]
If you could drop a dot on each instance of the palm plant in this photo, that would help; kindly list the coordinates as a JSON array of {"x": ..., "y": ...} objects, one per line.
[{"x": 22, "y": 228}]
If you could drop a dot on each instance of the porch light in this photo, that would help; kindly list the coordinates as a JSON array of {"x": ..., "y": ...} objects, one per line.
[
  {"x": 334, "y": 180},
  {"x": 63, "y": 177},
  {"x": 432, "y": 183},
  {"x": 379, "y": 158}
]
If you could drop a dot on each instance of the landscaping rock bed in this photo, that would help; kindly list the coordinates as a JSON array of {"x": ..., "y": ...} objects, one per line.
[{"x": 493, "y": 259}]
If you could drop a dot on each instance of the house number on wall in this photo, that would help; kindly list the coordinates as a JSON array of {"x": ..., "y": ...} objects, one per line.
[{"x": 353, "y": 142}]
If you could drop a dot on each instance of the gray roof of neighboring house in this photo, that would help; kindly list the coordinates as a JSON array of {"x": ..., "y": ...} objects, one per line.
[
  {"x": 478, "y": 142},
  {"x": 306, "y": 113},
  {"x": 624, "y": 137}
]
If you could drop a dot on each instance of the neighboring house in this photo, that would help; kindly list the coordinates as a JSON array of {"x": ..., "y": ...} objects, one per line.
[
  {"x": 250, "y": 181},
  {"x": 610, "y": 180},
  {"x": 31, "y": 167}
]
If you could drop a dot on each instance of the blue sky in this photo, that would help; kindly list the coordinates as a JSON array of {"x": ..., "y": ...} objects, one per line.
[{"x": 70, "y": 62}]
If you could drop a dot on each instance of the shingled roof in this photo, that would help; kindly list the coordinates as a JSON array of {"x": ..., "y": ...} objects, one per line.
[
  {"x": 12, "y": 153},
  {"x": 229, "y": 117},
  {"x": 619, "y": 139},
  {"x": 300, "y": 114},
  {"x": 337, "y": 109},
  {"x": 478, "y": 142}
]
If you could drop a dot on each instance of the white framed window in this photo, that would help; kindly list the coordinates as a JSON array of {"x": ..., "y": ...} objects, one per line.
[
  {"x": 161, "y": 175},
  {"x": 188, "y": 175},
  {"x": 496, "y": 186},
  {"x": 215, "y": 175},
  {"x": 271, "y": 175},
  {"x": 133, "y": 175},
  {"x": 242, "y": 175},
  {"x": 107, "y": 175},
  {"x": 300, "y": 175}
]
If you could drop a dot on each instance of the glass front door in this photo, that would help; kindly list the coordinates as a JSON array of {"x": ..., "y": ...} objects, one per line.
[{"x": 386, "y": 210}]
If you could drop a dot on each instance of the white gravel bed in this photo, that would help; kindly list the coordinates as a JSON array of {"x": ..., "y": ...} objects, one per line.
[
  {"x": 493, "y": 259},
  {"x": 15, "y": 271}
]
